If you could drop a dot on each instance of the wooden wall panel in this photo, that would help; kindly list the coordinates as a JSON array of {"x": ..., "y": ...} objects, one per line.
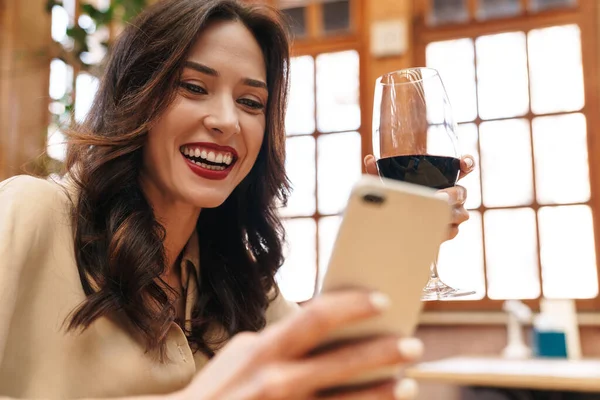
[{"x": 24, "y": 76}]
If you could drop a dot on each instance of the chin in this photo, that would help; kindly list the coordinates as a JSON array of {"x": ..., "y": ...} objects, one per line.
[{"x": 202, "y": 199}]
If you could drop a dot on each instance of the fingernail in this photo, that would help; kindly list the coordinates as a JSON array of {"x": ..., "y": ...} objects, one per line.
[
  {"x": 410, "y": 348},
  {"x": 443, "y": 196},
  {"x": 406, "y": 389},
  {"x": 469, "y": 161},
  {"x": 379, "y": 300}
]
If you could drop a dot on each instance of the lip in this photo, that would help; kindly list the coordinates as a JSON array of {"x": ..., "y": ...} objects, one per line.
[{"x": 209, "y": 173}]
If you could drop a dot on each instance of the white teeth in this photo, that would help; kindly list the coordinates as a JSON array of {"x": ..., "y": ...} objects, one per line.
[{"x": 208, "y": 155}]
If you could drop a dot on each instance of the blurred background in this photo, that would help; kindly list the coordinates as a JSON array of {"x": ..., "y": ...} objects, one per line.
[{"x": 522, "y": 76}]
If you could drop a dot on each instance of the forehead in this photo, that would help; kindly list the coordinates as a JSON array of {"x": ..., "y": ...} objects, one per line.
[{"x": 229, "y": 46}]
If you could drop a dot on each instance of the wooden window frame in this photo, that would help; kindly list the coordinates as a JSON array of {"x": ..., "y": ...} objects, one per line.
[
  {"x": 587, "y": 16},
  {"x": 316, "y": 42}
]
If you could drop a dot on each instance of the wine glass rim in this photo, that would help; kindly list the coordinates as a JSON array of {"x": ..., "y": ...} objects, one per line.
[{"x": 429, "y": 72}]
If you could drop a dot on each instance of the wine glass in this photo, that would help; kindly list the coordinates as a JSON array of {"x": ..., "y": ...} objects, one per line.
[{"x": 415, "y": 141}]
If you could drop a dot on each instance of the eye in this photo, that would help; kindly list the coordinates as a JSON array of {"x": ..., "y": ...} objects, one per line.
[
  {"x": 195, "y": 89},
  {"x": 255, "y": 105}
]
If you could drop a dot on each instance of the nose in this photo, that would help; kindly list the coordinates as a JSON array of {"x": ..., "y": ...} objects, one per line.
[{"x": 222, "y": 117}]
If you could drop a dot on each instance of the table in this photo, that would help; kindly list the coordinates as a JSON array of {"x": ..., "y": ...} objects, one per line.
[{"x": 545, "y": 374}]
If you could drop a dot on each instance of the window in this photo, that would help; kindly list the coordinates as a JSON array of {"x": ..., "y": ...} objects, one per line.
[
  {"x": 324, "y": 137},
  {"x": 73, "y": 82},
  {"x": 524, "y": 99}
]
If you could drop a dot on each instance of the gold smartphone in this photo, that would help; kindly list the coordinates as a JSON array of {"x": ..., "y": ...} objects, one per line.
[{"x": 389, "y": 235}]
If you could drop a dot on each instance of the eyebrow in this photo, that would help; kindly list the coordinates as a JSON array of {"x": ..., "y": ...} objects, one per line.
[
  {"x": 255, "y": 83},
  {"x": 213, "y": 72},
  {"x": 201, "y": 68}
]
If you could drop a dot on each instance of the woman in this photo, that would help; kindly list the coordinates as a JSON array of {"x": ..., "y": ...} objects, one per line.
[{"x": 162, "y": 242}]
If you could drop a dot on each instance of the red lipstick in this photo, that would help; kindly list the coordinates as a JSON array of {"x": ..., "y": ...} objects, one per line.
[{"x": 210, "y": 173}]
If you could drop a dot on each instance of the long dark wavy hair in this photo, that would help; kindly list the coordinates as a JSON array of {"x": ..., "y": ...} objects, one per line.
[{"x": 118, "y": 242}]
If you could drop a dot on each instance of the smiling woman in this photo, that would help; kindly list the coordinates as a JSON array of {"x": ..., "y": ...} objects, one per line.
[
  {"x": 132, "y": 275},
  {"x": 184, "y": 92}
]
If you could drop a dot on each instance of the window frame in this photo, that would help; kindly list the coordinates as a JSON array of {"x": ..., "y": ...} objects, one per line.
[
  {"x": 317, "y": 42},
  {"x": 586, "y": 14}
]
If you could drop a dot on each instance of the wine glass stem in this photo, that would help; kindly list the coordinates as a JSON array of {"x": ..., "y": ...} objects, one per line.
[{"x": 433, "y": 273}]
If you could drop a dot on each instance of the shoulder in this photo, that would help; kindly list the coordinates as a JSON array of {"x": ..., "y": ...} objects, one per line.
[
  {"x": 279, "y": 308},
  {"x": 29, "y": 189},
  {"x": 26, "y": 199}
]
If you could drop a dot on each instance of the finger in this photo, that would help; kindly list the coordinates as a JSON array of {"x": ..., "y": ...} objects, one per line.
[
  {"x": 401, "y": 390},
  {"x": 467, "y": 165},
  {"x": 309, "y": 327},
  {"x": 457, "y": 195},
  {"x": 337, "y": 367},
  {"x": 459, "y": 215},
  {"x": 452, "y": 232},
  {"x": 371, "y": 165}
]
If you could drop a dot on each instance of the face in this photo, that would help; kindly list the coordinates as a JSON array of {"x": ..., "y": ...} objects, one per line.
[{"x": 207, "y": 141}]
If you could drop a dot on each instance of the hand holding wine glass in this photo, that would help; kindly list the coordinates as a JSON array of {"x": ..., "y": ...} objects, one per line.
[
  {"x": 415, "y": 141},
  {"x": 456, "y": 194}
]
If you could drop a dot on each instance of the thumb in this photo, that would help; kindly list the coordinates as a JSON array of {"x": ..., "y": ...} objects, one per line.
[{"x": 371, "y": 165}]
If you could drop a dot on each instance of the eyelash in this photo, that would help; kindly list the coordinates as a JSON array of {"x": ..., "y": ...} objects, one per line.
[
  {"x": 255, "y": 105},
  {"x": 195, "y": 89}
]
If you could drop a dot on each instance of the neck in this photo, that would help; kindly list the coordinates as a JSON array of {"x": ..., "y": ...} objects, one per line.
[{"x": 177, "y": 218}]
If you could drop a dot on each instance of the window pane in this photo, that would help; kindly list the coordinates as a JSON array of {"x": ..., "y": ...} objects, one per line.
[
  {"x": 506, "y": 163},
  {"x": 300, "y": 117},
  {"x": 556, "y": 82},
  {"x": 460, "y": 262},
  {"x": 511, "y": 254},
  {"x": 328, "y": 229},
  {"x": 300, "y": 167},
  {"x": 489, "y": 9},
  {"x": 567, "y": 251},
  {"x": 70, "y": 6},
  {"x": 297, "y": 19},
  {"x": 502, "y": 75},
  {"x": 56, "y": 145},
  {"x": 336, "y": 16},
  {"x": 541, "y": 5},
  {"x": 337, "y": 91},
  {"x": 455, "y": 61},
  {"x": 61, "y": 79},
  {"x": 86, "y": 88},
  {"x": 468, "y": 139},
  {"x": 561, "y": 159},
  {"x": 60, "y": 23},
  {"x": 101, "y": 5},
  {"x": 296, "y": 278},
  {"x": 449, "y": 11},
  {"x": 97, "y": 51},
  {"x": 339, "y": 168}
]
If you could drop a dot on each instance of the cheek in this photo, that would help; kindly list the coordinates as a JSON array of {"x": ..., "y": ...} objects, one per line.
[
  {"x": 254, "y": 138},
  {"x": 159, "y": 150}
]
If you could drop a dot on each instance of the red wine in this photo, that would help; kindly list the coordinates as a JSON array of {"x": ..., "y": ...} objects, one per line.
[{"x": 436, "y": 172}]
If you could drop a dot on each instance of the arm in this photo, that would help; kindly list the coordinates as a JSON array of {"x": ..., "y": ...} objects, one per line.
[
  {"x": 17, "y": 237},
  {"x": 27, "y": 207}
]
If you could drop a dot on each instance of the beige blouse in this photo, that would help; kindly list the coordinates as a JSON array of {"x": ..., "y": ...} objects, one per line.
[{"x": 40, "y": 286}]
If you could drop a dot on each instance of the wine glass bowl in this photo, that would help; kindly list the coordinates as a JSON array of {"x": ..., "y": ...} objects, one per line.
[{"x": 415, "y": 140}]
